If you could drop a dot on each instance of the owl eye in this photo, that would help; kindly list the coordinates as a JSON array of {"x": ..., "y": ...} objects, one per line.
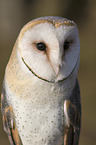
[
  {"x": 66, "y": 45},
  {"x": 41, "y": 46}
]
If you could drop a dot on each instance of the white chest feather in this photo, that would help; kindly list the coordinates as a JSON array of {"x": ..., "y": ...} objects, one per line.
[{"x": 39, "y": 112}]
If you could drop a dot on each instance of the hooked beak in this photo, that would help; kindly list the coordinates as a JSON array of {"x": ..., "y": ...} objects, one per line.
[
  {"x": 57, "y": 67},
  {"x": 56, "y": 70}
]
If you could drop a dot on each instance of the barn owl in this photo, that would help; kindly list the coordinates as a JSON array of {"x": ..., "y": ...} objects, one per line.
[{"x": 40, "y": 97}]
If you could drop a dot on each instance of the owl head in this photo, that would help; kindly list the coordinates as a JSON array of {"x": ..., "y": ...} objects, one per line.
[{"x": 49, "y": 48}]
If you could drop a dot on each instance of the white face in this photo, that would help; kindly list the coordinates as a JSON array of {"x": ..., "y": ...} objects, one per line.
[{"x": 51, "y": 53}]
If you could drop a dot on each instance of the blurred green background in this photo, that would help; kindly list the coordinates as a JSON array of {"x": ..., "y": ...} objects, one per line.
[{"x": 16, "y": 13}]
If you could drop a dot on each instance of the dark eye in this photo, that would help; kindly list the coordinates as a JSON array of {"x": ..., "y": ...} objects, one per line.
[
  {"x": 66, "y": 45},
  {"x": 41, "y": 46}
]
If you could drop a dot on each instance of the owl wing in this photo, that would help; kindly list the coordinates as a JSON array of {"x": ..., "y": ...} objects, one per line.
[
  {"x": 9, "y": 121},
  {"x": 72, "y": 114}
]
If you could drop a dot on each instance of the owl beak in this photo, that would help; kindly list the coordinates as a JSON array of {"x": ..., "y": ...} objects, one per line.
[
  {"x": 56, "y": 70},
  {"x": 55, "y": 61}
]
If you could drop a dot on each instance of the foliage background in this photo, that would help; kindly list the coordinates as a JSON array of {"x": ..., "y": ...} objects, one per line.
[{"x": 16, "y": 13}]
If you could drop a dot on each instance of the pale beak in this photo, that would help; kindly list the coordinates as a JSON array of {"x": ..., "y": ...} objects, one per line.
[{"x": 56, "y": 69}]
